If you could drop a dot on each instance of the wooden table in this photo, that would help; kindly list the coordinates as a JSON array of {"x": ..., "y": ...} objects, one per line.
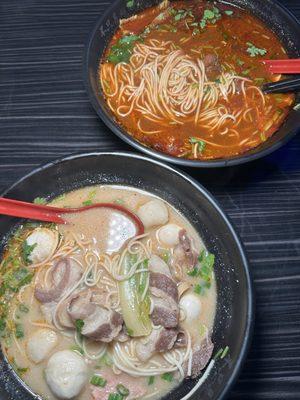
[{"x": 45, "y": 114}]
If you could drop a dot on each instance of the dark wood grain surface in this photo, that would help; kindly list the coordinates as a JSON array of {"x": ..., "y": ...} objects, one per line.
[{"x": 45, "y": 114}]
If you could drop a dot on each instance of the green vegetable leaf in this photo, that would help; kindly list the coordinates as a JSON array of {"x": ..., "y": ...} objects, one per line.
[
  {"x": 27, "y": 250},
  {"x": 208, "y": 14},
  {"x": 255, "y": 51},
  {"x": 40, "y": 200},
  {"x": 135, "y": 309},
  {"x": 97, "y": 380},
  {"x": 167, "y": 376}
]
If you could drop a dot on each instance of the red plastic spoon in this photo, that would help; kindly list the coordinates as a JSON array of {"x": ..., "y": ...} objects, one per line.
[{"x": 16, "y": 208}]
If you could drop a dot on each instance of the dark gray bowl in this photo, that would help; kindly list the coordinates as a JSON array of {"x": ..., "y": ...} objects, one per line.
[
  {"x": 279, "y": 19},
  {"x": 234, "y": 319}
]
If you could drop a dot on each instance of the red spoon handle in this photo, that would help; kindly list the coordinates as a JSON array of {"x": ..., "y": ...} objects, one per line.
[
  {"x": 21, "y": 209},
  {"x": 16, "y": 208}
]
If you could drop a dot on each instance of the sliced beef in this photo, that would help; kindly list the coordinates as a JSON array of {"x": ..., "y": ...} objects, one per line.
[
  {"x": 159, "y": 340},
  {"x": 164, "y": 294},
  {"x": 163, "y": 286},
  {"x": 201, "y": 355},
  {"x": 65, "y": 273},
  {"x": 102, "y": 324},
  {"x": 165, "y": 312}
]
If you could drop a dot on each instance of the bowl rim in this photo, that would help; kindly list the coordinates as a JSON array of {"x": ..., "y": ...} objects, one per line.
[
  {"x": 249, "y": 326},
  {"x": 116, "y": 128}
]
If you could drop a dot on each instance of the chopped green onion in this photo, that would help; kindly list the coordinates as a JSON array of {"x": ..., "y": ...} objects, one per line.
[
  {"x": 219, "y": 353},
  {"x": 130, "y": 3},
  {"x": 40, "y": 200},
  {"x": 167, "y": 376},
  {"x": 27, "y": 250},
  {"x": 87, "y": 203},
  {"x": 79, "y": 324},
  {"x": 97, "y": 380},
  {"x": 19, "y": 331},
  {"x": 122, "y": 390},
  {"x": 193, "y": 272},
  {"x": 225, "y": 352},
  {"x": 228, "y": 12},
  {"x": 77, "y": 349},
  {"x": 115, "y": 396},
  {"x": 23, "y": 308},
  {"x": 151, "y": 380}
]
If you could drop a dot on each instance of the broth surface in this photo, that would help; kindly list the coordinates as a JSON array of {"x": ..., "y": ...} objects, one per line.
[
  {"x": 184, "y": 78},
  {"x": 82, "y": 239}
]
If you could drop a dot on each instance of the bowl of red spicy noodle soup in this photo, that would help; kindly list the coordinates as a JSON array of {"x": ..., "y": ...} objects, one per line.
[{"x": 181, "y": 80}]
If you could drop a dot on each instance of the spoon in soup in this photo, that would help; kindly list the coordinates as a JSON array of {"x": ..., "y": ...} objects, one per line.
[{"x": 119, "y": 223}]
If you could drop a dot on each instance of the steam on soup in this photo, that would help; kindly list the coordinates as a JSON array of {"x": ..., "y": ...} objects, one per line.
[
  {"x": 184, "y": 78},
  {"x": 108, "y": 306}
]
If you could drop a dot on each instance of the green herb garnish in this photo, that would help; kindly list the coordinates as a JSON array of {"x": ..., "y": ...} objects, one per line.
[
  {"x": 122, "y": 50},
  {"x": 151, "y": 380},
  {"x": 225, "y": 351},
  {"x": 201, "y": 144},
  {"x": 255, "y": 51},
  {"x": 228, "y": 12},
  {"x": 97, "y": 380}
]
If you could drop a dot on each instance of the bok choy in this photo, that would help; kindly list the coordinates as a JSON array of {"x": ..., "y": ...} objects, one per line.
[{"x": 134, "y": 303}]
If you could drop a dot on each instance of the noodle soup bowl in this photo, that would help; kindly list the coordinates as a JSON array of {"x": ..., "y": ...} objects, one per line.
[
  {"x": 234, "y": 315},
  {"x": 273, "y": 14}
]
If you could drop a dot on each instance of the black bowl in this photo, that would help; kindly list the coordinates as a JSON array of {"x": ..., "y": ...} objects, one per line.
[
  {"x": 234, "y": 318},
  {"x": 279, "y": 19}
]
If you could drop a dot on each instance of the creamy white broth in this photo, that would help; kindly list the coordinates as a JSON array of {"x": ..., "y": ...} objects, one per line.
[{"x": 91, "y": 230}]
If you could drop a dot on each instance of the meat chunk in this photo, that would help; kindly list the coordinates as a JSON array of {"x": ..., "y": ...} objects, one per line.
[
  {"x": 164, "y": 294},
  {"x": 157, "y": 264},
  {"x": 102, "y": 325},
  {"x": 165, "y": 312},
  {"x": 212, "y": 64},
  {"x": 159, "y": 340},
  {"x": 80, "y": 305},
  {"x": 201, "y": 355},
  {"x": 65, "y": 273},
  {"x": 163, "y": 286},
  {"x": 188, "y": 252}
]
